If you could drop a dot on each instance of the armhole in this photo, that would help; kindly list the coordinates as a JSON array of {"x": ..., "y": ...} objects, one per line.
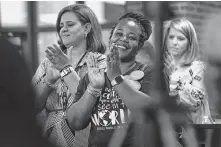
[{"x": 143, "y": 69}]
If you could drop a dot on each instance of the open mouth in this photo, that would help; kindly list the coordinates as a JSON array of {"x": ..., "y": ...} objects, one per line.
[{"x": 121, "y": 47}]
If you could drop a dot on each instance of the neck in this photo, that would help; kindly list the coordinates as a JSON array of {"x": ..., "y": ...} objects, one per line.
[
  {"x": 126, "y": 66},
  {"x": 77, "y": 52}
]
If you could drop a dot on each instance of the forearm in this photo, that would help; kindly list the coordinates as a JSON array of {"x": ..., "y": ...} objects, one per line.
[
  {"x": 134, "y": 99},
  {"x": 72, "y": 81},
  {"x": 42, "y": 91},
  {"x": 79, "y": 113}
]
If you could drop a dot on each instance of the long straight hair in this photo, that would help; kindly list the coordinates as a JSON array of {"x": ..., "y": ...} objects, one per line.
[{"x": 186, "y": 28}]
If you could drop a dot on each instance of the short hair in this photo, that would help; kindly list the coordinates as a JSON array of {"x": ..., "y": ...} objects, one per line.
[
  {"x": 145, "y": 23},
  {"x": 187, "y": 29},
  {"x": 85, "y": 15}
]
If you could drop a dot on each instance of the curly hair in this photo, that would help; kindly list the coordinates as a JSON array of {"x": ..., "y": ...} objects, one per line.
[{"x": 141, "y": 20}]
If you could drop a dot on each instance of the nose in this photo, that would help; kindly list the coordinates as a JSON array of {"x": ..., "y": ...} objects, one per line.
[
  {"x": 125, "y": 39},
  {"x": 64, "y": 28},
  {"x": 175, "y": 41}
]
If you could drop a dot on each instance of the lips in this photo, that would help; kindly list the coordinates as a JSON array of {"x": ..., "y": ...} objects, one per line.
[
  {"x": 122, "y": 46},
  {"x": 65, "y": 35}
]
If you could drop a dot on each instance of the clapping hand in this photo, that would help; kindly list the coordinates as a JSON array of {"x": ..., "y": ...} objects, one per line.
[
  {"x": 169, "y": 62},
  {"x": 95, "y": 75},
  {"x": 113, "y": 63},
  {"x": 52, "y": 74},
  {"x": 57, "y": 57}
]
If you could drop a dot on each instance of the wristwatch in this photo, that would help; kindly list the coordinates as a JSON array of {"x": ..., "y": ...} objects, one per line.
[{"x": 117, "y": 80}]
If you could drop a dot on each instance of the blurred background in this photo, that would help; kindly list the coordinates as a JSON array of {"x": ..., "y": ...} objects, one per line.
[{"x": 31, "y": 25}]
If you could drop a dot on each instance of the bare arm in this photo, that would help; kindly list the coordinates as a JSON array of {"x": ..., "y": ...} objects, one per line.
[
  {"x": 80, "y": 112},
  {"x": 44, "y": 74},
  {"x": 42, "y": 91}
]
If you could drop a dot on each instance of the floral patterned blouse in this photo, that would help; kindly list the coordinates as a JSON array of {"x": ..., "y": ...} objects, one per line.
[
  {"x": 57, "y": 103},
  {"x": 188, "y": 84}
]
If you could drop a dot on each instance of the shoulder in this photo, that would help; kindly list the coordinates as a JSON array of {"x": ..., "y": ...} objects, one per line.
[{"x": 198, "y": 65}]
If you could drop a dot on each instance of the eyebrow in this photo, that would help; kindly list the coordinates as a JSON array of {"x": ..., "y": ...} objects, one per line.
[{"x": 67, "y": 22}]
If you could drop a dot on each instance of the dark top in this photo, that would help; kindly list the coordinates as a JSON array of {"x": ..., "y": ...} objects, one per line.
[{"x": 110, "y": 112}]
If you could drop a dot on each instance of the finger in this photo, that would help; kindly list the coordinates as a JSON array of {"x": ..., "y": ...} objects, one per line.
[
  {"x": 48, "y": 52},
  {"x": 93, "y": 58},
  {"x": 96, "y": 61},
  {"x": 50, "y": 58},
  {"x": 167, "y": 63},
  {"x": 53, "y": 50},
  {"x": 116, "y": 55},
  {"x": 90, "y": 59},
  {"x": 108, "y": 60},
  {"x": 88, "y": 63},
  {"x": 57, "y": 49}
]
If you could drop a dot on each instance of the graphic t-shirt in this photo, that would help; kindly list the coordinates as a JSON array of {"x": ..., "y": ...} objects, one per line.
[{"x": 110, "y": 112}]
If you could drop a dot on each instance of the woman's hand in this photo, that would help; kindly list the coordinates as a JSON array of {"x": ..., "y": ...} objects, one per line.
[
  {"x": 169, "y": 62},
  {"x": 96, "y": 76},
  {"x": 57, "y": 57},
  {"x": 113, "y": 64},
  {"x": 52, "y": 74}
]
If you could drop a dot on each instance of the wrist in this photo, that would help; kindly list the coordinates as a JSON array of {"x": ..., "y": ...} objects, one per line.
[
  {"x": 117, "y": 80},
  {"x": 66, "y": 71},
  {"x": 96, "y": 92}
]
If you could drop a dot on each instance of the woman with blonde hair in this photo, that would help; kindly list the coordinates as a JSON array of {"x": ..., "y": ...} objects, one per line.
[
  {"x": 57, "y": 77},
  {"x": 184, "y": 71}
]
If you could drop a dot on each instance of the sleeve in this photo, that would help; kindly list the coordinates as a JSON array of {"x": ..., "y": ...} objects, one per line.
[
  {"x": 40, "y": 73},
  {"x": 146, "y": 83},
  {"x": 193, "y": 94}
]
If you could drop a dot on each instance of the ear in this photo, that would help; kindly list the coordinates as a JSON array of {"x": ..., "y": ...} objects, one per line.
[
  {"x": 87, "y": 28},
  {"x": 140, "y": 45}
]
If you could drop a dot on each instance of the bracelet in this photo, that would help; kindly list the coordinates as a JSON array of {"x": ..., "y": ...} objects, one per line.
[
  {"x": 94, "y": 92},
  {"x": 66, "y": 70}
]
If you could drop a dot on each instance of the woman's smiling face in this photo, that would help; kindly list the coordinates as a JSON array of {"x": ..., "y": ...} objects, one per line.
[
  {"x": 71, "y": 29},
  {"x": 126, "y": 35}
]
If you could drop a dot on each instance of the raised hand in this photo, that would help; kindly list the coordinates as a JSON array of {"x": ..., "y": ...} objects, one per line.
[
  {"x": 169, "y": 62},
  {"x": 52, "y": 74},
  {"x": 113, "y": 63},
  {"x": 96, "y": 76},
  {"x": 57, "y": 57}
]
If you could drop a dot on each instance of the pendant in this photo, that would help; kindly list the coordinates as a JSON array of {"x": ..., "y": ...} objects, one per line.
[
  {"x": 136, "y": 75},
  {"x": 135, "y": 84}
]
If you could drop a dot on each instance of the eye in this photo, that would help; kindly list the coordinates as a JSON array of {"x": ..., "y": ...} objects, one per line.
[
  {"x": 70, "y": 24},
  {"x": 181, "y": 38},
  {"x": 118, "y": 34},
  {"x": 170, "y": 36},
  {"x": 132, "y": 38}
]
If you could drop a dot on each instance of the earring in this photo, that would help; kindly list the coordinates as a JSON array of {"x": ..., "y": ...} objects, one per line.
[{"x": 85, "y": 35}]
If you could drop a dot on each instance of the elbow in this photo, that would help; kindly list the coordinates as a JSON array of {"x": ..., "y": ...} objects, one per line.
[
  {"x": 76, "y": 121},
  {"x": 76, "y": 124}
]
